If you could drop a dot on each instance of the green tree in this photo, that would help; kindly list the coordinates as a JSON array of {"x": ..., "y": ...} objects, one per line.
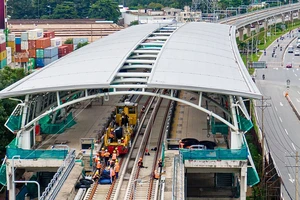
[
  {"x": 69, "y": 41},
  {"x": 65, "y": 10},
  {"x": 8, "y": 76},
  {"x": 79, "y": 45},
  {"x": 105, "y": 9},
  {"x": 155, "y": 6},
  {"x": 136, "y": 22}
]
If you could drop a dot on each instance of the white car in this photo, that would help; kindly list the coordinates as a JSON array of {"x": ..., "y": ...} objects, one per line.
[{"x": 297, "y": 53}]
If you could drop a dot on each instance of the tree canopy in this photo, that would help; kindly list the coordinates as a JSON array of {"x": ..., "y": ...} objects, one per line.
[
  {"x": 8, "y": 76},
  {"x": 105, "y": 9}
]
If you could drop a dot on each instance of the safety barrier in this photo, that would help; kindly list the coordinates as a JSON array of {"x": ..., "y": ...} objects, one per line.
[
  {"x": 217, "y": 154},
  {"x": 48, "y": 128},
  {"x": 12, "y": 149},
  {"x": 59, "y": 178}
]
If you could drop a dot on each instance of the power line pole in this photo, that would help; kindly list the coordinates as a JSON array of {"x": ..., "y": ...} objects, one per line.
[
  {"x": 296, "y": 175},
  {"x": 263, "y": 106},
  {"x": 296, "y": 178}
]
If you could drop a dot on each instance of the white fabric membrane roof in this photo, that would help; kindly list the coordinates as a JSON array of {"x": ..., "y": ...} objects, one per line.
[{"x": 196, "y": 56}]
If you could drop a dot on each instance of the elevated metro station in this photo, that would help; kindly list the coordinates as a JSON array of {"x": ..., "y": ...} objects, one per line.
[{"x": 200, "y": 60}]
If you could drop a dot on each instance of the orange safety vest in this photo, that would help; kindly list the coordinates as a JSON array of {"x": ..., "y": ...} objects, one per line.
[
  {"x": 156, "y": 175},
  {"x": 107, "y": 154},
  {"x": 96, "y": 159},
  {"x": 114, "y": 156},
  {"x": 117, "y": 167},
  {"x": 99, "y": 166}
]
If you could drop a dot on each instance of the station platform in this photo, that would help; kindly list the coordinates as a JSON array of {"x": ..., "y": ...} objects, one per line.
[{"x": 89, "y": 123}]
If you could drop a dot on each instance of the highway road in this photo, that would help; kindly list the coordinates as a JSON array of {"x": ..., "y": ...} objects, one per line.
[{"x": 280, "y": 122}]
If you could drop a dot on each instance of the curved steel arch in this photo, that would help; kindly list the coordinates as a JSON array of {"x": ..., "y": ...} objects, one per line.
[{"x": 133, "y": 93}]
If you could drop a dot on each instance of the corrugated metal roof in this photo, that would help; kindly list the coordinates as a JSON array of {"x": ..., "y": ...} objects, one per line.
[
  {"x": 92, "y": 66},
  {"x": 203, "y": 57},
  {"x": 197, "y": 56}
]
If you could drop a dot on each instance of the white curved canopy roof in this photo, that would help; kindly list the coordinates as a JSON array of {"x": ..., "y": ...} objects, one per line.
[{"x": 193, "y": 56}]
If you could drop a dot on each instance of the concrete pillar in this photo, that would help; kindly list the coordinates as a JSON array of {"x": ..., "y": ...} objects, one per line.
[
  {"x": 298, "y": 14},
  {"x": 257, "y": 28},
  {"x": 241, "y": 34},
  {"x": 243, "y": 183},
  {"x": 248, "y": 31},
  {"x": 283, "y": 18},
  {"x": 9, "y": 184},
  {"x": 291, "y": 16},
  {"x": 266, "y": 24}
]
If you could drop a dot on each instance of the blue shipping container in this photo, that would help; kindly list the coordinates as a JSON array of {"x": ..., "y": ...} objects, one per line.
[
  {"x": 40, "y": 62},
  {"x": 50, "y": 60},
  {"x": 50, "y": 52},
  {"x": 18, "y": 40},
  {"x": 3, "y": 63}
]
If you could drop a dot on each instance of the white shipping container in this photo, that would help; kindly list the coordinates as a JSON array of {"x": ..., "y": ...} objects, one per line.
[
  {"x": 8, "y": 51},
  {"x": 24, "y": 45},
  {"x": 11, "y": 37},
  {"x": 56, "y": 42},
  {"x": 24, "y": 36},
  {"x": 8, "y": 60},
  {"x": 35, "y": 34},
  {"x": 2, "y": 38}
]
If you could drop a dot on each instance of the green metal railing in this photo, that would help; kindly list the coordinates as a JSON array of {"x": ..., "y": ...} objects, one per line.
[
  {"x": 12, "y": 149},
  {"x": 217, "y": 154}
]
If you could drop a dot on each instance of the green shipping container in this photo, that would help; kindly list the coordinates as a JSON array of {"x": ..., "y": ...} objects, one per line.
[
  {"x": 40, "y": 53},
  {"x": 31, "y": 64},
  {"x": 3, "y": 63}
]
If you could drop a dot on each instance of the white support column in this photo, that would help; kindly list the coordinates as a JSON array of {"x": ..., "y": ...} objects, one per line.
[
  {"x": 200, "y": 99},
  {"x": 236, "y": 139},
  {"x": 24, "y": 139},
  {"x": 243, "y": 183},
  {"x": 10, "y": 184},
  {"x": 57, "y": 98}
]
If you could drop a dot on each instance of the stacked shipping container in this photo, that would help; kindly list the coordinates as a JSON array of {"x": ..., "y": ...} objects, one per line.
[
  {"x": 3, "y": 54},
  {"x": 36, "y": 47}
]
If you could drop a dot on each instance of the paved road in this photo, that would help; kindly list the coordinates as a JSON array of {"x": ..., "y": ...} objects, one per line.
[{"x": 281, "y": 124}]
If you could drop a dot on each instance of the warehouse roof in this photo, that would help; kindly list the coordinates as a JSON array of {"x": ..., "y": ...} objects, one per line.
[{"x": 191, "y": 56}]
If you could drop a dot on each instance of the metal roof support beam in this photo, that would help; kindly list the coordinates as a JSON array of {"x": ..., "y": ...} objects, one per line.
[
  {"x": 243, "y": 107},
  {"x": 106, "y": 94},
  {"x": 236, "y": 137}
]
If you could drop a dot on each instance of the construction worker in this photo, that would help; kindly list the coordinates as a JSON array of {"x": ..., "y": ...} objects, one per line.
[
  {"x": 96, "y": 175},
  {"x": 117, "y": 151},
  {"x": 156, "y": 175},
  {"x": 117, "y": 168},
  {"x": 111, "y": 136},
  {"x": 180, "y": 144},
  {"x": 112, "y": 163},
  {"x": 102, "y": 152},
  {"x": 112, "y": 174},
  {"x": 140, "y": 163},
  {"x": 114, "y": 156},
  {"x": 122, "y": 139},
  {"x": 160, "y": 165},
  {"x": 99, "y": 167},
  {"x": 147, "y": 152},
  {"x": 106, "y": 157}
]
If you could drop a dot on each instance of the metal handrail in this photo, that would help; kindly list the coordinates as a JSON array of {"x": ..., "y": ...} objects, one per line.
[{"x": 59, "y": 178}]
